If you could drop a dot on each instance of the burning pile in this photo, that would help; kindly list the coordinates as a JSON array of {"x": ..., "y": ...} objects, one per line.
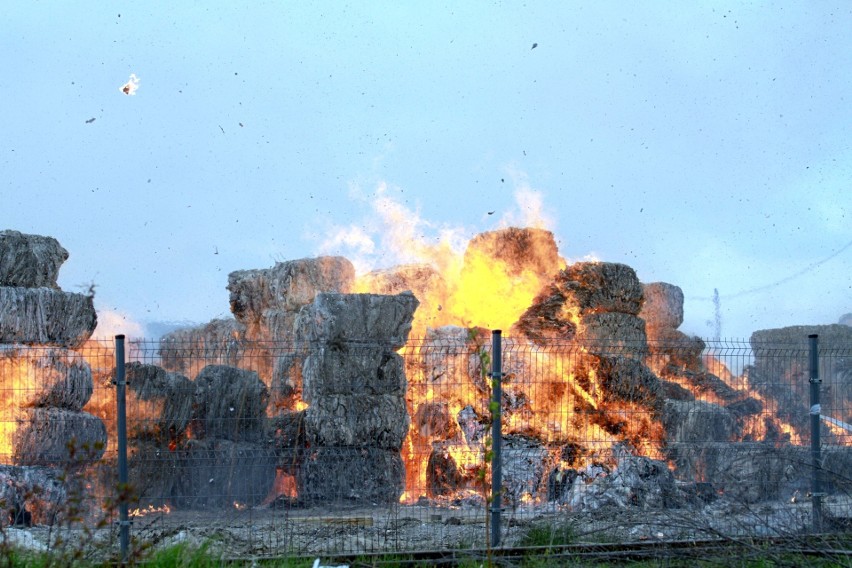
[
  {"x": 46, "y": 383},
  {"x": 314, "y": 393}
]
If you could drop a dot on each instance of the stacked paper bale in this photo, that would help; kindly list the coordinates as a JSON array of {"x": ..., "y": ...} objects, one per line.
[
  {"x": 226, "y": 460},
  {"x": 46, "y": 383},
  {"x": 354, "y": 382}
]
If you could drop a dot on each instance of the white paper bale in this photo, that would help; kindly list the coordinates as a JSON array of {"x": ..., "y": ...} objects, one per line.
[
  {"x": 44, "y": 316},
  {"x": 30, "y": 261},
  {"x": 371, "y": 318}
]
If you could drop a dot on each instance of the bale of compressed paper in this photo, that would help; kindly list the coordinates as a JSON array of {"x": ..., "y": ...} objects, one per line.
[
  {"x": 745, "y": 472},
  {"x": 218, "y": 473},
  {"x": 153, "y": 470},
  {"x": 523, "y": 251},
  {"x": 663, "y": 305},
  {"x": 286, "y": 286},
  {"x": 229, "y": 403},
  {"x": 369, "y": 318},
  {"x": 582, "y": 289},
  {"x": 422, "y": 280},
  {"x": 379, "y": 421},
  {"x": 704, "y": 384},
  {"x": 350, "y": 368},
  {"x": 619, "y": 378},
  {"x": 30, "y": 261},
  {"x": 593, "y": 287},
  {"x": 670, "y": 347},
  {"x": 159, "y": 402},
  {"x": 44, "y": 316},
  {"x": 218, "y": 342},
  {"x": 364, "y": 476},
  {"x": 56, "y": 436},
  {"x": 697, "y": 422},
  {"x": 44, "y": 376},
  {"x": 613, "y": 334}
]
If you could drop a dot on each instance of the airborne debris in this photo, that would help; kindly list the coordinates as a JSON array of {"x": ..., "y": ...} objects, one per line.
[
  {"x": 131, "y": 86},
  {"x": 535, "y": 45}
]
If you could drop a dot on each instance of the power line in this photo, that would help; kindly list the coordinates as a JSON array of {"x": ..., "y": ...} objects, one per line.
[{"x": 784, "y": 280}]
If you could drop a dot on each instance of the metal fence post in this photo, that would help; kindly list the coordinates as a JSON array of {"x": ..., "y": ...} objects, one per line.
[
  {"x": 816, "y": 411},
  {"x": 121, "y": 425},
  {"x": 496, "y": 435}
]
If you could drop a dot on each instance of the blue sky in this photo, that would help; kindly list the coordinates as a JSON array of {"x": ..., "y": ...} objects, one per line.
[{"x": 704, "y": 144}]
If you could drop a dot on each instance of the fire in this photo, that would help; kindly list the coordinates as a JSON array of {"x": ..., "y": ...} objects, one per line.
[{"x": 150, "y": 510}]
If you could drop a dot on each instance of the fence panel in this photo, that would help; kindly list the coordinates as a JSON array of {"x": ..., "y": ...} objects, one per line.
[{"x": 357, "y": 446}]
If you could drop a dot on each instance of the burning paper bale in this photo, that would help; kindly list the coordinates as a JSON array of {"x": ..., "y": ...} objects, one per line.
[
  {"x": 57, "y": 436},
  {"x": 48, "y": 376}
]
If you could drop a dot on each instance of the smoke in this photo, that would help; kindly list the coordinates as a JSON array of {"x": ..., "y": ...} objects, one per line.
[
  {"x": 397, "y": 234},
  {"x": 113, "y": 322},
  {"x": 530, "y": 211}
]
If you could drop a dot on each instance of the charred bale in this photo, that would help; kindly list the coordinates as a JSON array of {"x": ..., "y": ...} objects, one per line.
[
  {"x": 44, "y": 316},
  {"x": 289, "y": 440},
  {"x": 365, "y": 476},
  {"x": 746, "y": 472},
  {"x": 594, "y": 287},
  {"x": 229, "y": 403},
  {"x": 673, "y": 349},
  {"x": 443, "y": 476},
  {"x": 379, "y": 421},
  {"x": 433, "y": 421},
  {"x": 370, "y": 318},
  {"x": 30, "y": 261},
  {"x": 56, "y": 436},
  {"x": 45, "y": 376},
  {"x": 704, "y": 384}
]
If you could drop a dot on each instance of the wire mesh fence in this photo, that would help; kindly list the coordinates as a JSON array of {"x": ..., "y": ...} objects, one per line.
[{"x": 340, "y": 445}]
